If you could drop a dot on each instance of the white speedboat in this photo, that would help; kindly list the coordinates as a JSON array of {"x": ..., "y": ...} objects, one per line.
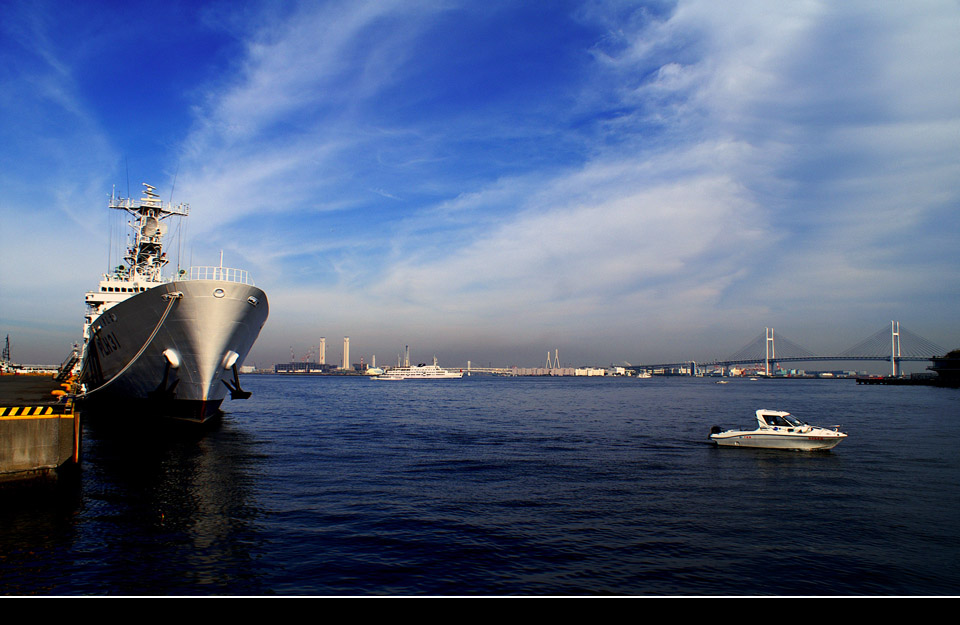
[
  {"x": 420, "y": 372},
  {"x": 779, "y": 430},
  {"x": 166, "y": 346}
]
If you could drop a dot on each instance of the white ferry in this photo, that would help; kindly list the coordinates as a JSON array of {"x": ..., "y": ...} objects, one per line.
[
  {"x": 167, "y": 346},
  {"x": 420, "y": 372}
]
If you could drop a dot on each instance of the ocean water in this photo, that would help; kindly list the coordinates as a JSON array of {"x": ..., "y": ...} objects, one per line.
[{"x": 502, "y": 486}]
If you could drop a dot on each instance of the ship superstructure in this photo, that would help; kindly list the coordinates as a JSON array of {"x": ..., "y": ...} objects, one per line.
[{"x": 166, "y": 345}]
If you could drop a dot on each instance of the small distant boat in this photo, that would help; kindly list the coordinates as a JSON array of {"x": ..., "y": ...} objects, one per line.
[
  {"x": 779, "y": 430},
  {"x": 420, "y": 372}
]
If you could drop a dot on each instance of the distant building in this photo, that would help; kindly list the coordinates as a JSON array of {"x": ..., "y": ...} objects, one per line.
[
  {"x": 301, "y": 367},
  {"x": 947, "y": 369},
  {"x": 554, "y": 371},
  {"x": 590, "y": 372}
]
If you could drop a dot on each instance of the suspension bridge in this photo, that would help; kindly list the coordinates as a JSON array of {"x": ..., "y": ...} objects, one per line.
[{"x": 893, "y": 344}]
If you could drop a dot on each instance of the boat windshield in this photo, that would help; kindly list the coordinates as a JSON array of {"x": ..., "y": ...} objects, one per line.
[{"x": 785, "y": 420}]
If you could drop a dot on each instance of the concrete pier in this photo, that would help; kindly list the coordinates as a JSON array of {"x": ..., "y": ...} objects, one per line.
[{"x": 39, "y": 433}]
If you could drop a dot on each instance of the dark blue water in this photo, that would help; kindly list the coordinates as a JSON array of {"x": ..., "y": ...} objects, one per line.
[{"x": 503, "y": 486}]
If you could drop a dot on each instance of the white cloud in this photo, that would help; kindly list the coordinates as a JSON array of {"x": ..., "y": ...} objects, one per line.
[
  {"x": 733, "y": 193},
  {"x": 722, "y": 164},
  {"x": 278, "y": 134}
]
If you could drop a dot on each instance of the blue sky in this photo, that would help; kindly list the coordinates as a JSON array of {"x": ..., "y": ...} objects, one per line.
[{"x": 487, "y": 181}]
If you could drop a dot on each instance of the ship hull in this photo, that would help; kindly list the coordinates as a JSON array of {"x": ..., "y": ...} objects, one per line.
[
  {"x": 798, "y": 442},
  {"x": 172, "y": 350}
]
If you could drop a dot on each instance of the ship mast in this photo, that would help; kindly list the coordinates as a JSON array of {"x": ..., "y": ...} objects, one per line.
[{"x": 145, "y": 258}]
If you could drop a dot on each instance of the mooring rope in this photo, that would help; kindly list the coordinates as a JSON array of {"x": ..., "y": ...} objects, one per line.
[{"x": 171, "y": 299}]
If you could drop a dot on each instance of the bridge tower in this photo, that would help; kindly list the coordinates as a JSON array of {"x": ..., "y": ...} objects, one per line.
[
  {"x": 771, "y": 353},
  {"x": 894, "y": 347},
  {"x": 555, "y": 361}
]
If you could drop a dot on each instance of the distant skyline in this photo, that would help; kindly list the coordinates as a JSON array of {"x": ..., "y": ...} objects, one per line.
[{"x": 620, "y": 181}]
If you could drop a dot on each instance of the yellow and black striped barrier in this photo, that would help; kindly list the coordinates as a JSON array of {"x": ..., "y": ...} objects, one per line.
[
  {"x": 38, "y": 438},
  {"x": 23, "y": 412}
]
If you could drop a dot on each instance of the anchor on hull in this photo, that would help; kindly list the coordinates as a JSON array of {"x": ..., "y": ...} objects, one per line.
[
  {"x": 235, "y": 391},
  {"x": 162, "y": 392}
]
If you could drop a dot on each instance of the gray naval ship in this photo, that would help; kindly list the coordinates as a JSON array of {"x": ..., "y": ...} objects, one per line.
[{"x": 166, "y": 346}]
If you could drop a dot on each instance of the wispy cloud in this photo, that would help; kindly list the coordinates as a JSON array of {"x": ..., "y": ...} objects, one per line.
[
  {"x": 601, "y": 173},
  {"x": 54, "y": 162}
]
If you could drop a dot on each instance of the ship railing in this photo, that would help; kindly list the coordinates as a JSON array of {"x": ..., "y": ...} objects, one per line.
[
  {"x": 133, "y": 205},
  {"x": 226, "y": 274}
]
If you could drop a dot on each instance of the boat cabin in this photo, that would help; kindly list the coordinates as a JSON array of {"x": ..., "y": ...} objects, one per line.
[{"x": 776, "y": 418}]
